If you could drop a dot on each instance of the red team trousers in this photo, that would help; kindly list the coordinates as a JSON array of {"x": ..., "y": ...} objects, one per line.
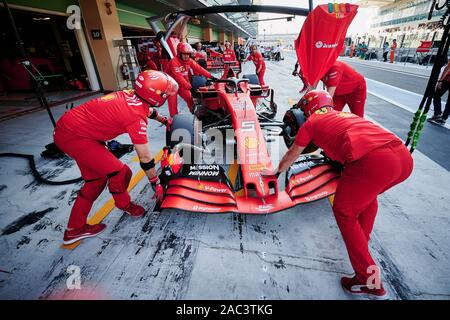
[
  {"x": 355, "y": 100},
  {"x": 355, "y": 203},
  {"x": 98, "y": 167},
  {"x": 186, "y": 95},
  {"x": 261, "y": 76}
]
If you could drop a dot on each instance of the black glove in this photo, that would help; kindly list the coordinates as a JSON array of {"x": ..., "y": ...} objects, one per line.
[{"x": 214, "y": 79}]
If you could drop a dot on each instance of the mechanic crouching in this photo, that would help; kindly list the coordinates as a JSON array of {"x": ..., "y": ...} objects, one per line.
[
  {"x": 81, "y": 133},
  {"x": 182, "y": 68},
  {"x": 374, "y": 161}
]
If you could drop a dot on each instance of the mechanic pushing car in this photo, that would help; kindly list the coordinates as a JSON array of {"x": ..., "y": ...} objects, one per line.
[
  {"x": 81, "y": 133},
  {"x": 182, "y": 68},
  {"x": 346, "y": 86},
  {"x": 260, "y": 65},
  {"x": 374, "y": 161}
]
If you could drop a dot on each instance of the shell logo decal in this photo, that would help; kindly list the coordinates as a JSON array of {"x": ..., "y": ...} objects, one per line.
[{"x": 108, "y": 97}]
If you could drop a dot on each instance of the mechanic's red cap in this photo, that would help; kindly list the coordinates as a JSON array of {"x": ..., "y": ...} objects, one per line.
[{"x": 314, "y": 100}]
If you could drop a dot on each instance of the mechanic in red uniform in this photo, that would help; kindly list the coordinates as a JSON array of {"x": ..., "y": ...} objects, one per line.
[
  {"x": 228, "y": 53},
  {"x": 346, "y": 86},
  {"x": 260, "y": 65},
  {"x": 182, "y": 68},
  {"x": 199, "y": 53},
  {"x": 374, "y": 161},
  {"x": 81, "y": 134}
]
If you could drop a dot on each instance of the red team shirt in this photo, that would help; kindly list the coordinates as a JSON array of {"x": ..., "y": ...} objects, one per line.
[
  {"x": 344, "y": 78},
  {"x": 107, "y": 117},
  {"x": 182, "y": 71},
  {"x": 257, "y": 59},
  {"x": 343, "y": 136},
  {"x": 229, "y": 55}
]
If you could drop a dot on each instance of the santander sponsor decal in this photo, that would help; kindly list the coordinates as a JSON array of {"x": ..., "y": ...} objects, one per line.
[
  {"x": 317, "y": 196},
  {"x": 204, "y": 209},
  {"x": 322, "y": 45}
]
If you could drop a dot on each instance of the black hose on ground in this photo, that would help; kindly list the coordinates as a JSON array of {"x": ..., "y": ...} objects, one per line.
[
  {"x": 53, "y": 152},
  {"x": 35, "y": 172}
]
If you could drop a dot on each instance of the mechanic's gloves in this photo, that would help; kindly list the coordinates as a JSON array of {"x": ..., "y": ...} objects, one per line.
[
  {"x": 158, "y": 189},
  {"x": 214, "y": 79},
  {"x": 167, "y": 122}
]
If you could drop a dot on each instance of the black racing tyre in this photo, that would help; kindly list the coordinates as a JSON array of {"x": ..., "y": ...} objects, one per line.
[
  {"x": 185, "y": 129},
  {"x": 252, "y": 78},
  {"x": 293, "y": 119}
]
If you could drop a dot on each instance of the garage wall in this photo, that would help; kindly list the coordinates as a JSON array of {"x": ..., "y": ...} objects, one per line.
[
  {"x": 215, "y": 35},
  {"x": 133, "y": 17}
]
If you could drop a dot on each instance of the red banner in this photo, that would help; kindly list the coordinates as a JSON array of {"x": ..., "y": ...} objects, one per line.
[{"x": 321, "y": 39}]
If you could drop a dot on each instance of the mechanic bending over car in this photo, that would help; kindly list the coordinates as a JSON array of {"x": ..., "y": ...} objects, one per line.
[
  {"x": 258, "y": 60},
  {"x": 346, "y": 86},
  {"x": 374, "y": 161},
  {"x": 182, "y": 68},
  {"x": 81, "y": 133}
]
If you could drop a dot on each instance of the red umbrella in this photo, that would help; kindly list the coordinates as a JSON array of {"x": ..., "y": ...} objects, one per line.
[{"x": 322, "y": 39}]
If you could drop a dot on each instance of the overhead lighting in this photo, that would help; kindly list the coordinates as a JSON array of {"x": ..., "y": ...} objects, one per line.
[{"x": 41, "y": 18}]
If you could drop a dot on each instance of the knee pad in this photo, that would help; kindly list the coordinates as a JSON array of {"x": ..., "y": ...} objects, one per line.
[
  {"x": 92, "y": 188},
  {"x": 119, "y": 180}
]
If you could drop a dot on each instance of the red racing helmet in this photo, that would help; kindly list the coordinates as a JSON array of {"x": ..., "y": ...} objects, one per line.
[
  {"x": 184, "y": 47},
  {"x": 154, "y": 87},
  {"x": 314, "y": 100}
]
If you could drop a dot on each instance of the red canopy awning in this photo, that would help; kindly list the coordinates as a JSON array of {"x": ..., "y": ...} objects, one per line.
[{"x": 322, "y": 38}]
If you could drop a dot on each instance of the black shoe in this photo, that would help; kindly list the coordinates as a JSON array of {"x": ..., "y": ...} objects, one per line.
[
  {"x": 440, "y": 122},
  {"x": 435, "y": 117}
]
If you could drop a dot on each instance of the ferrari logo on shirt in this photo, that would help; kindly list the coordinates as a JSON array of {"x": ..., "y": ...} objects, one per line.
[{"x": 321, "y": 111}]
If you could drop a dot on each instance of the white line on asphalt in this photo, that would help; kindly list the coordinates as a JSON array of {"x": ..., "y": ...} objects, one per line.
[
  {"x": 416, "y": 98},
  {"x": 397, "y": 89},
  {"x": 391, "y": 70}
]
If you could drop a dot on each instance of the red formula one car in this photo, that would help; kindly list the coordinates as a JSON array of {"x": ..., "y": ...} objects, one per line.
[
  {"x": 216, "y": 62},
  {"x": 218, "y": 157}
]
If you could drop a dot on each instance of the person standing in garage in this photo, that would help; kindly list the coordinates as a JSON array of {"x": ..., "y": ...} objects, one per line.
[{"x": 374, "y": 161}]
